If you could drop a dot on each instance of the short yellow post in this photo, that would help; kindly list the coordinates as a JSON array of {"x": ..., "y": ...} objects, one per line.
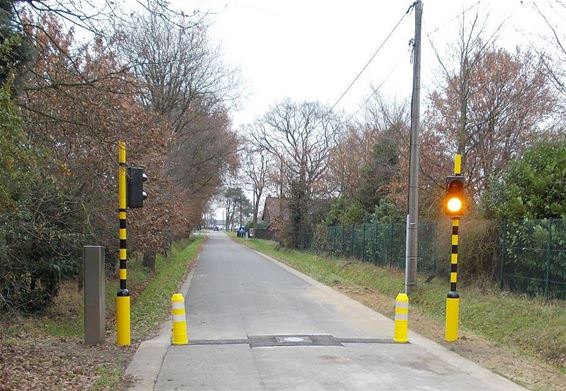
[
  {"x": 401, "y": 318},
  {"x": 452, "y": 317},
  {"x": 123, "y": 320},
  {"x": 179, "y": 335}
]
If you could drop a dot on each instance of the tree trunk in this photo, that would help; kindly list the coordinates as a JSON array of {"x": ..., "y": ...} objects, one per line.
[{"x": 149, "y": 260}]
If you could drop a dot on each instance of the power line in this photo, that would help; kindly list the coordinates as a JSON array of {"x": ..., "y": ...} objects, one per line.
[
  {"x": 376, "y": 89},
  {"x": 453, "y": 18},
  {"x": 375, "y": 53}
]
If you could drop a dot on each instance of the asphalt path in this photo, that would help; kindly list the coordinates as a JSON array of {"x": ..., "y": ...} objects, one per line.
[{"x": 255, "y": 324}]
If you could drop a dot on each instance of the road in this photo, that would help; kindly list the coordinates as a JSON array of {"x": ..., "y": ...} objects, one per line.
[{"x": 255, "y": 324}]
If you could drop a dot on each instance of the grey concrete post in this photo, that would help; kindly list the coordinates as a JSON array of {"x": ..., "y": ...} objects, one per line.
[{"x": 94, "y": 294}]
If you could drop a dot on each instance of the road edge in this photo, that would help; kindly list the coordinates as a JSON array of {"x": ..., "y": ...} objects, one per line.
[
  {"x": 434, "y": 348},
  {"x": 148, "y": 359}
]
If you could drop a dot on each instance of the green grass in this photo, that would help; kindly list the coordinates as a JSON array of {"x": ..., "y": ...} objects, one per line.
[
  {"x": 109, "y": 378},
  {"x": 153, "y": 303},
  {"x": 64, "y": 318},
  {"x": 533, "y": 326},
  {"x": 138, "y": 275}
]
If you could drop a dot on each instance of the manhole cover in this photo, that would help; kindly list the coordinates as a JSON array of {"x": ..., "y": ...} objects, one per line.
[
  {"x": 257, "y": 341},
  {"x": 293, "y": 339}
]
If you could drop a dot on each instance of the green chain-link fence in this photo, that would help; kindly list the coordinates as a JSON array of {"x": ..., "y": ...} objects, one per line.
[
  {"x": 381, "y": 244},
  {"x": 527, "y": 256},
  {"x": 533, "y": 257}
]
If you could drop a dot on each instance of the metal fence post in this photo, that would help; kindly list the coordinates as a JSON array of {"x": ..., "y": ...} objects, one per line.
[
  {"x": 343, "y": 252},
  {"x": 334, "y": 240},
  {"x": 376, "y": 254},
  {"x": 503, "y": 252},
  {"x": 548, "y": 257},
  {"x": 353, "y": 237},
  {"x": 364, "y": 244},
  {"x": 391, "y": 246}
]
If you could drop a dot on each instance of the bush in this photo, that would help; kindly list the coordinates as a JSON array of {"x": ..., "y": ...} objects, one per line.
[
  {"x": 532, "y": 187},
  {"x": 40, "y": 224}
]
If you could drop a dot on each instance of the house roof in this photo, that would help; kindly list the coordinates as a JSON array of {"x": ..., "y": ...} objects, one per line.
[{"x": 276, "y": 208}]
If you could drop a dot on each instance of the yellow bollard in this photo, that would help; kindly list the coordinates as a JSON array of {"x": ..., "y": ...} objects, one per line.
[
  {"x": 452, "y": 316},
  {"x": 179, "y": 335},
  {"x": 401, "y": 318},
  {"x": 123, "y": 320}
]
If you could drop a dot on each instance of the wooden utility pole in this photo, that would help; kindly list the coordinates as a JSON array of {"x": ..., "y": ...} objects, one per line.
[{"x": 413, "y": 216}]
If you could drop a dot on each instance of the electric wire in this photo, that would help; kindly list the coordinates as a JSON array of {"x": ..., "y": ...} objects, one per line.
[
  {"x": 373, "y": 56},
  {"x": 377, "y": 89},
  {"x": 477, "y": 3}
]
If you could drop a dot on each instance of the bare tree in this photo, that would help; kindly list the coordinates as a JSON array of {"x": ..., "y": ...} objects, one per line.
[
  {"x": 181, "y": 77},
  {"x": 255, "y": 170},
  {"x": 181, "y": 73},
  {"x": 489, "y": 107},
  {"x": 202, "y": 154},
  {"x": 384, "y": 122},
  {"x": 300, "y": 136},
  {"x": 552, "y": 53}
]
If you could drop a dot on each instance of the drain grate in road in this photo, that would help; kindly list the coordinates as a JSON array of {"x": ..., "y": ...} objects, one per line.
[{"x": 259, "y": 341}]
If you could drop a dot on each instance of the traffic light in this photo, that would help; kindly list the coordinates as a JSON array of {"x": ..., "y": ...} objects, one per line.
[
  {"x": 134, "y": 182},
  {"x": 454, "y": 200}
]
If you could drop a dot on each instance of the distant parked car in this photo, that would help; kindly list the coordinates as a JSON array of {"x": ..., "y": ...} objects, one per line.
[{"x": 216, "y": 228}]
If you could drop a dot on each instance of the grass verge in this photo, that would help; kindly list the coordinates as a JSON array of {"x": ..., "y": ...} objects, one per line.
[
  {"x": 533, "y": 327},
  {"x": 153, "y": 304}
]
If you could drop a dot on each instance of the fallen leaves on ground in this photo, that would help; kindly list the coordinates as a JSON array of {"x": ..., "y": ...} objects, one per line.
[{"x": 50, "y": 363}]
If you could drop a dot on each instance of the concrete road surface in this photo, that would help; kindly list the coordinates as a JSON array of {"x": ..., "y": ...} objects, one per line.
[{"x": 255, "y": 324}]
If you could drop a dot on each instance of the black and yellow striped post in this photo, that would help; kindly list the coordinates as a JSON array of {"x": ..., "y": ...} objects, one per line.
[
  {"x": 453, "y": 298},
  {"x": 123, "y": 296}
]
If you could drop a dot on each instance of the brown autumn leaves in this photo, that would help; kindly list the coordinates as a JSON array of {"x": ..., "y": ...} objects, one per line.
[{"x": 155, "y": 82}]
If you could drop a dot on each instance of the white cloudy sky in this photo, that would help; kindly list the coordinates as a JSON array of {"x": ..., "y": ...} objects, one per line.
[{"x": 312, "y": 49}]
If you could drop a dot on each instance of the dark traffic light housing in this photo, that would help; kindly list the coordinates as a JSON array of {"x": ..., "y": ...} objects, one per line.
[
  {"x": 454, "y": 200},
  {"x": 135, "y": 195}
]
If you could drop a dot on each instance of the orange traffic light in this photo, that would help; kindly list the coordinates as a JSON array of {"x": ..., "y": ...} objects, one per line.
[
  {"x": 454, "y": 205},
  {"x": 454, "y": 201}
]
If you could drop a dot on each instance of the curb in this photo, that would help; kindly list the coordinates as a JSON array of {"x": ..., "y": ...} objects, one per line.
[
  {"x": 434, "y": 348},
  {"x": 146, "y": 364}
]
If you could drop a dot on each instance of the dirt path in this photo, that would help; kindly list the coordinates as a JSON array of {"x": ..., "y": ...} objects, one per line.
[{"x": 522, "y": 370}]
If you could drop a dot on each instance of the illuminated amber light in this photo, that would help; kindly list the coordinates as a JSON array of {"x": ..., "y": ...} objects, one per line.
[{"x": 454, "y": 205}]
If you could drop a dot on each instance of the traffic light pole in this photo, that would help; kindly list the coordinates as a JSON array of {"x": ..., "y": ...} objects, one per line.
[
  {"x": 453, "y": 298},
  {"x": 123, "y": 296}
]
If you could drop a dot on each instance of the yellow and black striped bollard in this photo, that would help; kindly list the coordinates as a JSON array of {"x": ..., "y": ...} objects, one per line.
[
  {"x": 453, "y": 299},
  {"x": 123, "y": 296}
]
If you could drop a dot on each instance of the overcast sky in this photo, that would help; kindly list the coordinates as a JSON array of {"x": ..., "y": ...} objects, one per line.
[{"x": 312, "y": 49}]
